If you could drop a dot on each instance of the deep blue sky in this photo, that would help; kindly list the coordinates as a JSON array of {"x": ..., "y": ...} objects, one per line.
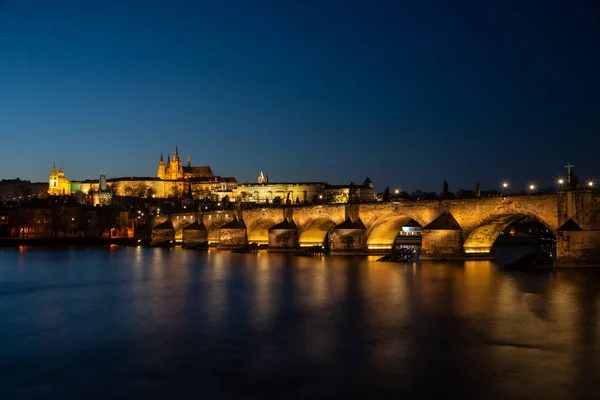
[{"x": 408, "y": 93}]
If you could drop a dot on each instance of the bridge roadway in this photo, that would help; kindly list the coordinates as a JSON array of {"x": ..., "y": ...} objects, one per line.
[{"x": 452, "y": 229}]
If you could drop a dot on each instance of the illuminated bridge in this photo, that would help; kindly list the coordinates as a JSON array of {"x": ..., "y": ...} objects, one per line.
[{"x": 452, "y": 229}]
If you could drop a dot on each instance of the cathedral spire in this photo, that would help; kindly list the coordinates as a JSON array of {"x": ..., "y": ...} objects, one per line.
[
  {"x": 161, "y": 157},
  {"x": 53, "y": 168}
]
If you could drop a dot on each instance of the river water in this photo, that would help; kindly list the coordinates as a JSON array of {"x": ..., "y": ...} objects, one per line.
[{"x": 156, "y": 323}]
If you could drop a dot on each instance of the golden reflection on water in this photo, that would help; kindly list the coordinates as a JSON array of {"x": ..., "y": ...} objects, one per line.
[
  {"x": 489, "y": 329},
  {"x": 264, "y": 298},
  {"x": 215, "y": 298}
]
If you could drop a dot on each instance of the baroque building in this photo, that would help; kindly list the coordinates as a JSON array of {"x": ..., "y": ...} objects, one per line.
[{"x": 58, "y": 184}]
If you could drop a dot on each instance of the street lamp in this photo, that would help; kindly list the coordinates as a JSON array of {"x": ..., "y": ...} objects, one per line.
[
  {"x": 590, "y": 184},
  {"x": 397, "y": 191},
  {"x": 561, "y": 181},
  {"x": 531, "y": 188}
]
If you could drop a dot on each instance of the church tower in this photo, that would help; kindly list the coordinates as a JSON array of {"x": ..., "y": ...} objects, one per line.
[
  {"x": 263, "y": 178},
  {"x": 176, "y": 166},
  {"x": 53, "y": 182},
  {"x": 161, "y": 168}
]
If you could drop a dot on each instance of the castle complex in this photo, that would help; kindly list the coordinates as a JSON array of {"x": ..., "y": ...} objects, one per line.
[{"x": 173, "y": 179}]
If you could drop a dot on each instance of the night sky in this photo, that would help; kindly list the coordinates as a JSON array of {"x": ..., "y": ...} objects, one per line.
[{"x": 407, "y": 93}]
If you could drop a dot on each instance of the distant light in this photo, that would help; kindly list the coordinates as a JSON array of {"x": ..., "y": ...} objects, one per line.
[
  {"x": 397, "y": 191},
  {"x": 320, "y": 196},
  {"x": 504, "y": 185},
  {"x": 531, "y": 187},
  {"x": 590, "y": 184},
  {"x": 561, "y": 181}
]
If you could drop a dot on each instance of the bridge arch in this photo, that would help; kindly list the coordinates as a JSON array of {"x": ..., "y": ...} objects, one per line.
[
  {"x": 259, "y": 231},
  {"x": 481, "y": 239},
  {"x": 315, "y": 232},
  {"x": 382, "y": 233}
]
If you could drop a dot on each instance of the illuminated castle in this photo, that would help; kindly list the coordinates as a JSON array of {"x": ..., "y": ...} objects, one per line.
[
  {"x": 174, "y": 169},
  {"x": 58, "y": 184}
]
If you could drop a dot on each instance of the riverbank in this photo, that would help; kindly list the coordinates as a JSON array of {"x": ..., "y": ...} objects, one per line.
[{"x": 77, "y": 241}]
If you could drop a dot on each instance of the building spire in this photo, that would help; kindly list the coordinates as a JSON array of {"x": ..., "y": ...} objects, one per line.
[
  {"x": 189, "y": 161},
  {"x": 161, "y": 157}
]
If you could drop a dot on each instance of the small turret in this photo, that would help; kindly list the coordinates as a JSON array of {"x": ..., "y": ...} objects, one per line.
[{"x": 189, "y": 161}]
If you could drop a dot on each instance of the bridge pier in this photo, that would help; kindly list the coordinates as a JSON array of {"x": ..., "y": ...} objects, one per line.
[
  {"x": 349, "y": 236},
  {"x": 577, "y": 248},
  {"x": 443, "y": 239},
  {"x": 442, "y": 244},
  {"x": 283, "y": 236},
  {"x": 233, "y": 235}
]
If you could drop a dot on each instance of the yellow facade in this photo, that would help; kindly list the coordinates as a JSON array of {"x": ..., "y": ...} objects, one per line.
[{"x": 58, "y": 184}]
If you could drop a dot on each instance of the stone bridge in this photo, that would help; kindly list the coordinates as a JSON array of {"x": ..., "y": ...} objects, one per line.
[{"x": 452, "y": 229}]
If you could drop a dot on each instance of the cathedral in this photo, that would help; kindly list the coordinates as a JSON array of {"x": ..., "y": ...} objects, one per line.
[{"x": 175, "y": 170}]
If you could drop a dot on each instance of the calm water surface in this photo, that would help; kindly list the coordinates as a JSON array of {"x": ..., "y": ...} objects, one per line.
[{"x": 152, "y": 323}]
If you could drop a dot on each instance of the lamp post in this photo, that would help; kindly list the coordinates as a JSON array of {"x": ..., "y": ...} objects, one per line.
[
  {"x": 531, "y": 188},
  {"x": 504, "y": 187},
  {"x": 591, "y": 184}
]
